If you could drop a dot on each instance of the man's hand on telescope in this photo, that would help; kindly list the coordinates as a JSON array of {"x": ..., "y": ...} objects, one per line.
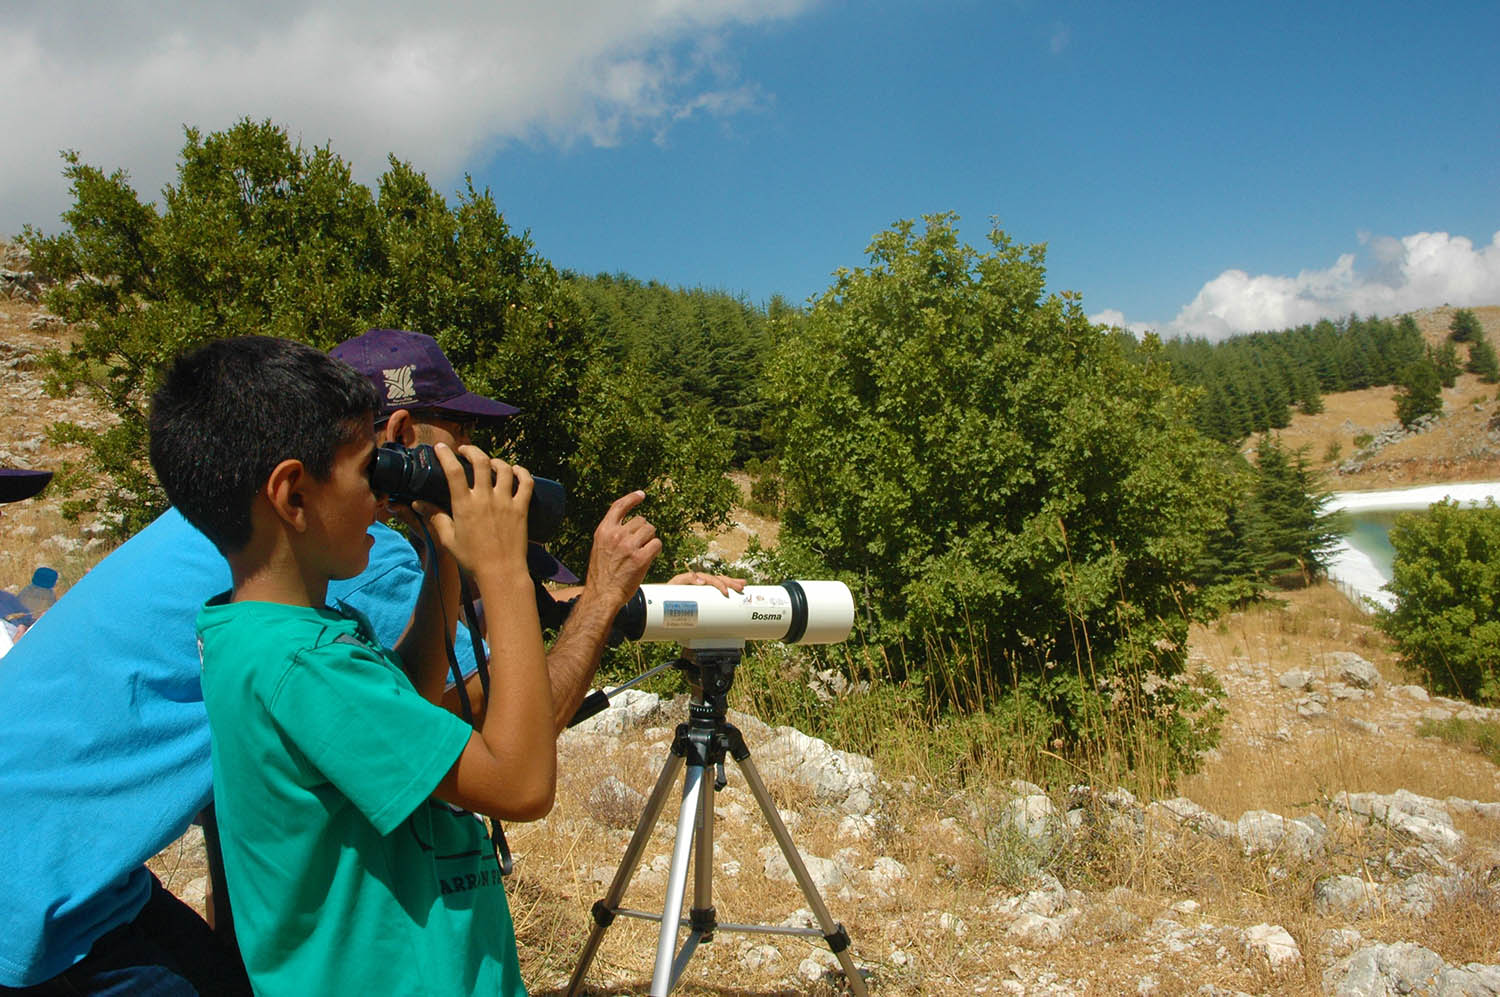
[{"x": 721, "y": 582}]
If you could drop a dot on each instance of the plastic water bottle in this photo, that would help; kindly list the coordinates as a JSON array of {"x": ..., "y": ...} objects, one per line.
[{"x": 41, "y": 593}]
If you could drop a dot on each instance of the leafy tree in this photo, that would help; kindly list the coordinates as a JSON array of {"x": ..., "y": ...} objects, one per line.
[
  {"x": 1482, "y": 361},
  {"x": 1420, "y": 393},
  {"x": 1446, "y": 580},
  {"x": 992, "y": 473},
  {"x": 1464, "y": 327},
  {"x": 260, "y": 235}
]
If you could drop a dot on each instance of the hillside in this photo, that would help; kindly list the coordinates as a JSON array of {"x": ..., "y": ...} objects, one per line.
[
  {"x": 1463, "y": 446},
  {"x": 1324, "y": 847}
]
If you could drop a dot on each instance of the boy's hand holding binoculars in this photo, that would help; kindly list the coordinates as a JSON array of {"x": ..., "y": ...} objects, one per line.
[{"x": 486, "y": 529}]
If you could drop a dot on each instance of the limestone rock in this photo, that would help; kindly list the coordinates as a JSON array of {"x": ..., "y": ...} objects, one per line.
[
  {"x": 1352, "y": 668},
  {"x": 1034, "y": 816},
  {"x": 1273, "y": 943},
  {"x": 1425, "y": 819},
  {"x": 1185, "y": 813},
  {"x": 841, "y": 778},
  {"x": 1262, "y": 832},
  {"x": 887, "y": 875},
  {"x": 1381, "y": 970},
  {"x": 1297, "y": 678},
  {"x": 1347, "y": 896},
  {"x": 630, "y": 708},
  {"x": 758, "y": 957},
  {"x": 1035, "y": 930},
  {"x": 826, "y": 874}
]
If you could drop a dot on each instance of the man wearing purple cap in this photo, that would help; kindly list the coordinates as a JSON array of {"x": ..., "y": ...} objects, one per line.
[
  {"x": 104, "y": 759},
  {"x": 423, "y": 401}
]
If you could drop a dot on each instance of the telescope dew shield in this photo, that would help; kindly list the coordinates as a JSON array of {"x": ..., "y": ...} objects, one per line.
[{"x": 794, "y": 612}]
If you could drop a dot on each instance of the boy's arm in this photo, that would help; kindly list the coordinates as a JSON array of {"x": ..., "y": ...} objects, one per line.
[{"x": 508, "y": 769}]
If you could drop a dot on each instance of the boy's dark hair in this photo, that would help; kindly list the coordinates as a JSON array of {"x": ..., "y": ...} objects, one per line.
[{"x": 229, "y": 412}]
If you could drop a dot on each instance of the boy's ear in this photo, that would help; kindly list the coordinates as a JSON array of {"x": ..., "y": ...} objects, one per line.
[
  {"x": 399, "y": 428},
  {"x": 285, "y": 489}
]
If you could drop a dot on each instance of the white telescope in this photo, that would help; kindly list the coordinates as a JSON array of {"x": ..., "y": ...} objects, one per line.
[{"x": 794, "y": 612}]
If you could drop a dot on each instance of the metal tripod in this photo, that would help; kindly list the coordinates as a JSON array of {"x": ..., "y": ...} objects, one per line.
[{"x": 701, "y": 742}]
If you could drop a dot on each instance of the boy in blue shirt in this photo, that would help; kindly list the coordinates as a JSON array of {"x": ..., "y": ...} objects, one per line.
[{"x": 340, "y": 781}]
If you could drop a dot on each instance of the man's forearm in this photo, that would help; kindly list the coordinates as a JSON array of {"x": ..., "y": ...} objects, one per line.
[{"x": 574, "y": 657}]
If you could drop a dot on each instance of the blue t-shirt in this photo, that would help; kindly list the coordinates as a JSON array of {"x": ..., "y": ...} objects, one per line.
[{"x": 104, "y": 751}]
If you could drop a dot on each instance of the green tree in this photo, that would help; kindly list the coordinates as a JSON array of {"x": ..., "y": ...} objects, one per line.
[
  {"x": 1482, "y": 361},
  {"x": 1464, "y": 327},
  {"x": 1420, "y": 393},
  {"x": 1286, "y": 530},
  {"x": 991, "y": 472},
  {"x": 705, "y": 349},
  {"x": 1445, "y": 362},
  {"x": 1446, "y": 580},
  {"x": 260, "y": 235}
]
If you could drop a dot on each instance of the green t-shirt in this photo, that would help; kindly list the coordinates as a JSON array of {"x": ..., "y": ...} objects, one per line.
[{"x": 344, "y": 875}]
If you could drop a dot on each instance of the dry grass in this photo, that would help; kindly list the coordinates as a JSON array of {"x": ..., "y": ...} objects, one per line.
[
  {"x": 1261, "y": 767},
  {"x": 733, "y": 540}
]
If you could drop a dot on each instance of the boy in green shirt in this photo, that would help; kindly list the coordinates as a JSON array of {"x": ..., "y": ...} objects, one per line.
[{"x": 341, "y": 784}]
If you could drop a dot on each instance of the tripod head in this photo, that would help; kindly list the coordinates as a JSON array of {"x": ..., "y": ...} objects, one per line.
[{"x": 709, "y": 672}]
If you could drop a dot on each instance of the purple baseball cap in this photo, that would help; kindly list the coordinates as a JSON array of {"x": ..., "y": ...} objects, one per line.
[
  {"x": 409, "y": 371},
  {"x": 18, "y": 483}
]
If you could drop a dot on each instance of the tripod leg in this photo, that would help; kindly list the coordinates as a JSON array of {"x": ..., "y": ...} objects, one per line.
[
  {"x": 702, "y": 916},
  {"x": 671, "y": 915},
  {"x": 604, "y": 910},
  {"x": 838, "y": 941},
  {"x": 702, "y": 919}
]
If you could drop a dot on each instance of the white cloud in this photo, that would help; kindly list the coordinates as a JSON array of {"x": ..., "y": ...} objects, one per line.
[
  {"x": 433, "y": 82},
  {"x": 1415, "y": 271},
  {"x": 1114, "y": 318}
]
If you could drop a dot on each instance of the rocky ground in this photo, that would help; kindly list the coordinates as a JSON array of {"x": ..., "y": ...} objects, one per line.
[
  {"x": 1086, "y": 890},
  {"x": 1324, "y": 848}
]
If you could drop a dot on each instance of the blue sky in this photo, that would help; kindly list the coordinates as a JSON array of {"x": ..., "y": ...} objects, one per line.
[{"x": 1200, "y": 168}]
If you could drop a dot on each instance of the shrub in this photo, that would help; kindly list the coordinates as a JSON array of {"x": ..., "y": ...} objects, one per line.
[
  {"x": 1446, "y": 579},
  {"x": 991, "y": 472}
]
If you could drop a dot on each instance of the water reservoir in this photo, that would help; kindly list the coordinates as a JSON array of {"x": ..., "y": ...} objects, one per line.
[{"x": 1362, "y": 563}]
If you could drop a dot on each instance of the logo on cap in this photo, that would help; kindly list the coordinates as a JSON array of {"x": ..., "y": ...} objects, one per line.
[{"x": 400, "y": 384}]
